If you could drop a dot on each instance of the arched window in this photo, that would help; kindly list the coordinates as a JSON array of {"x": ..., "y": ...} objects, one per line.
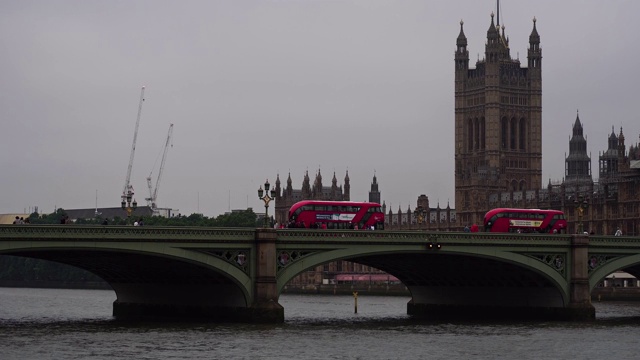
[
  {"x": 512, "y": 136},
  {"x": 522, "y": 185},
  {"x": 476, "y": 131},
  {"x": 482, "y": 134},
  {"x": 470, "y": 135},
  {"x": 504, "y": 133},
  {"x": 523, "y": 133},
  {"x": 514, "y": 185}
]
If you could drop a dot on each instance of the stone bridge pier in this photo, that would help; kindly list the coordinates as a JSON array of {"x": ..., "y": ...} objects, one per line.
[
  {"x": 580, "y": 307},
  {"x": 265, "y": 306},
  {"x": 183, "y": 290}
]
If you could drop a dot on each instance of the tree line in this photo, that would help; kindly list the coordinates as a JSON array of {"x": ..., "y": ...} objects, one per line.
[{"x": 244, "y": 218}]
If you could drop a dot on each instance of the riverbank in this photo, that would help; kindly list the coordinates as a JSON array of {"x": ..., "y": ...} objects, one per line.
[
  {"x": 85, "y": 285},
  {"x": 615, "y": 294},
  {"x": 349, "y": 289},
  {"x": 598, "y": 294}
]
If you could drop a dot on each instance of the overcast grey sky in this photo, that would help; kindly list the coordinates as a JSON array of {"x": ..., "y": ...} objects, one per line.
[{"x": 260, "y": 88}]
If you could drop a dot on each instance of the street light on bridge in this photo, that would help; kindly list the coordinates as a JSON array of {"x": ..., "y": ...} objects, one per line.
[
  {"x": 421, "y": 214},
  {"x": 127, "y": 204},
  {"x": 581, "y": 205},
  {"x": 266, "y": 196}
]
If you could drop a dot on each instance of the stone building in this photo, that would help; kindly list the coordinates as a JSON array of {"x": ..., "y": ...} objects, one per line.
[
  {"x": 498, "y": 157},
  {"x": 611, "y": 202},
  {"x": 601, "y": 206},
  {"x": 422, "y": 217},
  {"x": 498, "y": 116},
  {"x": 285, "y": 197}
]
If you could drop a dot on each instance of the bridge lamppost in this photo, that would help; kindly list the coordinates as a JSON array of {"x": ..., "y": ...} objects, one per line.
[
  {"x": 581, "y": 205},
  {"x": 128, "y": 205},
  {"x": 421, "y": 214},
  {"x": 266, "y": 196}
]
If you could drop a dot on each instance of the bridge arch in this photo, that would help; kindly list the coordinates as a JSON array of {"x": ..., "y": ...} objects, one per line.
[
  {"x": 630, "y": 264},
  {"x": 152, "y": 274},
  {"x": 412, "y": 267}
]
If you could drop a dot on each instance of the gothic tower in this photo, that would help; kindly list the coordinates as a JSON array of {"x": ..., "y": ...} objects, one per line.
[
  {"x": 498, "y": 122},
  {"x": 578, "y": 163},
  {"x": 347, "y": 188},
  {"x": 608, "y": 160},
  {"x": 374, "y": 193}
]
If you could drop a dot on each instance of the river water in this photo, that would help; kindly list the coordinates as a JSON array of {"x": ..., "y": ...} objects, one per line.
[{"x": 77, "y": 324}]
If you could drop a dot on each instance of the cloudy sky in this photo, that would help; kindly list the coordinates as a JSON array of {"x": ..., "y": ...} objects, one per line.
[{"x": 260, "y": 88}]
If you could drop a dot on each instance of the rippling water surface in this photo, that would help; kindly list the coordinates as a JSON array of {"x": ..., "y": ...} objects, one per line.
[{"x": 77, "y": 324}]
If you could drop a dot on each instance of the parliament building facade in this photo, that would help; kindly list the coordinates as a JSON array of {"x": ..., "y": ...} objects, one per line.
[{"x": 498, "y": 157}]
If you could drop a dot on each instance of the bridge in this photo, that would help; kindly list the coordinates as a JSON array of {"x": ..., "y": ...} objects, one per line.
[{"x": 231, "y": 274}]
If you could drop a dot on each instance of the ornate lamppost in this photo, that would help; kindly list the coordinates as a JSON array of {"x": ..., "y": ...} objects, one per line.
[
  {"x": 581, "y": 205},
  {"x": 127, "y": 204},
  {"x": 266, "y": 196},
  {"x": 421, "y": 214}
]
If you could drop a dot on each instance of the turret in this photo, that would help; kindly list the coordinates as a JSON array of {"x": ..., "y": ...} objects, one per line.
[
  {"x": 289, "y": 189},
  {"x": 347, "y": 187},
  {"x": 334, "y": 186},
  {"x": 317, "y": 187},
  {"x": 534, "y": 53},
  {"x": 613, "y": 140},
  {"x": 621, "y": 149},
  {"x": 578, "y": 163},
  {"x": 306, "y": 186},
  {"x": 277, "y": 188},
  {"x": 462, "y": 54},
  {"x": 494, "y": 43},
  {"x": 374, "y": 193}
]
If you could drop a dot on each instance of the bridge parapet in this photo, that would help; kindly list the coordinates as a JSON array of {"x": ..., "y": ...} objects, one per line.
[
  {"x": 137, "y": 233},
  {"x": 295, "y": 235}
]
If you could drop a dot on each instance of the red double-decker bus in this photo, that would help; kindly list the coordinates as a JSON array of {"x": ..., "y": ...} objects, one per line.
[
  {"x": 336, "y": 215},
  {"x": 525, "y": 221}
]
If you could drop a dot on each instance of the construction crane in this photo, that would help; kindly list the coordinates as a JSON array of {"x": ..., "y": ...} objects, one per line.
[
  {"x": 127, "y": 191},
  {"x": 153, "y": 192}
]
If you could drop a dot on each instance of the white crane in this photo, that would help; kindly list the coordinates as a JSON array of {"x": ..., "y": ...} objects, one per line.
[
  {"x": 127, "y": 192},
  {"x": 153, "y": 192}
]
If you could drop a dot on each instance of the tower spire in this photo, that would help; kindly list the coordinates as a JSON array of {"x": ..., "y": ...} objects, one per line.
[{"x": 498, "y": 13}]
